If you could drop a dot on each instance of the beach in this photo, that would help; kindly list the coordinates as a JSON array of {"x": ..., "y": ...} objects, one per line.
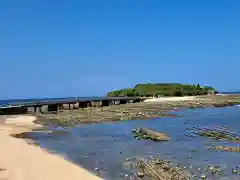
[
  {"x": 21, "y": 161},
  {"x": 171, "y": 99}
]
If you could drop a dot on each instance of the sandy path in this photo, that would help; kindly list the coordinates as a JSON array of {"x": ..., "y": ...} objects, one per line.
[
  {"x": 20, "y": 161},
  {"x": 169, "y": 99}
]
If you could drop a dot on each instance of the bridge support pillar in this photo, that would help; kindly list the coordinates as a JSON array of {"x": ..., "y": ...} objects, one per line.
[
  {"x": 31, "y": 109},
  {"x": 71, "y": 106},
  {"x": 76, "y": 105},
  {"x": 44, "y": 109},
  {"x": 65, "y": 106},
  {"x": 37, "y": 109},
  {"x": 115, "y": 102}
]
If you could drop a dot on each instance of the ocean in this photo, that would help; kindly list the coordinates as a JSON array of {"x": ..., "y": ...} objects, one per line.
[{"x": 101, "y": 148}]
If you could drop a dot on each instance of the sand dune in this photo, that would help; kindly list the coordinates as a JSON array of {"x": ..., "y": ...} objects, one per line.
[{"x": 20, "y": 161}]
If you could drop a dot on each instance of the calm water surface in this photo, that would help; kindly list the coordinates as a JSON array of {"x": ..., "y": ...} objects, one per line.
[{"x": 105, "y": 145}]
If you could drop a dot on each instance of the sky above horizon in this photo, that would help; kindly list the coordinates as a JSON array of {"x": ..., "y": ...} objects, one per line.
[{"x": 63, "y": 48}]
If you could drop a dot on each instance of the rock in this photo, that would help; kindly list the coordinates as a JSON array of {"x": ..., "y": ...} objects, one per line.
[
  {"x": 234, "y": 171},
  {"x": 140, "y": 174},
  {"x": 96, "y": 169},
  {"x": 146, "y": 133},
  {"x": 203, "y": 176}
]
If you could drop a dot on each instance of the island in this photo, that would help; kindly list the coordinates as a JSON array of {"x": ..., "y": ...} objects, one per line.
[{"x": 164, "y": 89}]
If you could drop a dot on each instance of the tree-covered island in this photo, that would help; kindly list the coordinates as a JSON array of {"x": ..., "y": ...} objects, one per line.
[{"x": 164, "y": 89}]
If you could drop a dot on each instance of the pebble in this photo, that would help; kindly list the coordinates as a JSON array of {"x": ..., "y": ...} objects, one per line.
[
  {"x": 203, "y": 176},
  {"x": 211, "y": 168},
  {"x": 96, "y": 169},
  {"x": 140, "y": 174},
  {"x": 234, "y": 171}
]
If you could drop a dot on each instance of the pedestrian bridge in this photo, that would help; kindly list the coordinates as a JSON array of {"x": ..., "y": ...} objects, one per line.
[{"x": 45, "y": 105}]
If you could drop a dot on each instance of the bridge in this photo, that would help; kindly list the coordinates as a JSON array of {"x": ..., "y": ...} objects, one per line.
[{"x": 46, "y": 105}]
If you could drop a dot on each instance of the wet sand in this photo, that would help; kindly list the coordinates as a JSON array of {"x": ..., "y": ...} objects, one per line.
[{"x": 21, "y": 161}]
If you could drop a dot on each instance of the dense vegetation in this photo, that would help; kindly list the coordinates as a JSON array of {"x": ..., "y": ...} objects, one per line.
[{"x": 164, "y": 89}]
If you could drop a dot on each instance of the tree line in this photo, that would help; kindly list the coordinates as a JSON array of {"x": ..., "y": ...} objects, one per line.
[{"x": 164, "y": 89}]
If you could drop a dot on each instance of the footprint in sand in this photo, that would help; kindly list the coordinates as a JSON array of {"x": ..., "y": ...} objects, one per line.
[{"x": 3, "y": 174}]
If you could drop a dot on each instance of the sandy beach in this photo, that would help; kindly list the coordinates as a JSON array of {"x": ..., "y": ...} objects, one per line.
[
  {"x": 170, "y": 99},
  {"x": 21, "y": 161}
]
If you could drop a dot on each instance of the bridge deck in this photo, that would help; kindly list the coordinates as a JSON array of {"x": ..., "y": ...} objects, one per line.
[{"x": 41, "y": 102}]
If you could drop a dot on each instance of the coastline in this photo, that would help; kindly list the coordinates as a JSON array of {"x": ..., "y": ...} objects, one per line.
[
  {"x": 150, "y": 109},
  {"x": 21, "y": 161},
  {"x": 27, "y": 165}
]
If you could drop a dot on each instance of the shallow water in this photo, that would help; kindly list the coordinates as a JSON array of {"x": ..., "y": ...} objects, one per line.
[{"x": 105, "y": 145}]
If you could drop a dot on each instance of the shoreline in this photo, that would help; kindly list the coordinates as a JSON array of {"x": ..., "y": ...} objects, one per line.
[
  {"x": 21, "y": 160},
  {"x": 154, "y": 108}
]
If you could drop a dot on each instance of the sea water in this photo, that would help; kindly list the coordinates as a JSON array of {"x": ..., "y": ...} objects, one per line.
[{"x": 102, "y": 147}]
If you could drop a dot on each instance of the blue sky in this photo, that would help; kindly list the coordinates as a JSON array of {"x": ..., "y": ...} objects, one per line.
[{"x": 55, "y": 48}]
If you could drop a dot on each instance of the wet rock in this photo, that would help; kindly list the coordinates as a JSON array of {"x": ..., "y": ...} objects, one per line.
[
  {"x": 234, "y": 171},
  {"x": 96, "y": 169},
  {"x": 216, "y": 133},
  {"x": 159, "y": 169},
  {"x": 227, "y": 148},
  {"x": 203, "y": 176},
  {"x": 140, "y": 174},
  {"x": 147, "y": 133},
  {"x": 194, "y": 175},
  {"x": 198, "y": 169}
]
